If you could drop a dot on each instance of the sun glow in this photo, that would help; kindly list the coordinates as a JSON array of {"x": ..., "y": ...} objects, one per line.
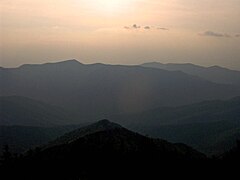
[{"x": 110, "y": 6}]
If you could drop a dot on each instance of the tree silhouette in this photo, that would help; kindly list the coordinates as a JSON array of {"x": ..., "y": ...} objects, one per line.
[
  {"x": 7, "y": 156},
  {"x": 238, "y": 143}
]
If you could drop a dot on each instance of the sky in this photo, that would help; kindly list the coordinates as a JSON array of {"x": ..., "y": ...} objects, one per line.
[{"x": 204, "y": 32}]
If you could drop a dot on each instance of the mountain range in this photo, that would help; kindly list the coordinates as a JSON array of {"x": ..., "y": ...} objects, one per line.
[
  {"x": 203, "y": 112},
  {"x": 175, "y": 104},
  {"x": 47, "y": 113},
  {"x": 96, "y": 91},
  {"x": 211, "y": 127},
  {"x": 215, "y": 74}
]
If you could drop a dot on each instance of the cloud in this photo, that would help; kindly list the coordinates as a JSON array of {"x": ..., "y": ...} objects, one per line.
[
  {"x": 127, "y": 27},
  {"x": 135, "y": 26},
  {"x": 164, "y": 29},
  {"x": 214, "y": 34}
]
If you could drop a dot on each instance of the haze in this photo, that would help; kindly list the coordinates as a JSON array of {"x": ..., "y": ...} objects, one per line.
[{"x": 205, "y": 32}]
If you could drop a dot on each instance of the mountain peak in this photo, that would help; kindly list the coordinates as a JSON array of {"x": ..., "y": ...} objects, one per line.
[
  {"x": 102, "y": 125},
  {"x": 71, "y": 62},
  {"x": 106, "y": 123},
  {"x": 216, "y": 67},
  {"x": 152, "y": 62}
]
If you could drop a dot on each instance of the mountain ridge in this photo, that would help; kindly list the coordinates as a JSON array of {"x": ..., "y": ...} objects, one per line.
[
  {"x": 214, "y": 73},
  {"x": 24, "y": 111},
  {"x": 197, "y": 112},
  {"x": 211, "y": 126},
  {"x": 189, "y": 65},
  {"x": 99, "y": 90},
  {"x": 104, "y": 154}
]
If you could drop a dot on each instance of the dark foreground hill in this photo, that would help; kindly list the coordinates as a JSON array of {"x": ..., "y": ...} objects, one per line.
[
  {"x": 233, "y": 155},
  {"x": 102, "y": 150}
]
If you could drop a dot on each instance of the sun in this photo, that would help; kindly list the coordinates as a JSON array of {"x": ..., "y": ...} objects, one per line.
[{"x": 110, "y": 6}]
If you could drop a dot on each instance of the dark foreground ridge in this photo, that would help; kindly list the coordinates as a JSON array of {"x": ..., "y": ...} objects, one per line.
[{"x": 108, "y": 151}]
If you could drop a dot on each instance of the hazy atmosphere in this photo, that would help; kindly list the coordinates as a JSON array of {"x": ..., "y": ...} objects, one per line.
[
  {"x": 119, "y": 89},
  {"x": 205, "y": 32}
]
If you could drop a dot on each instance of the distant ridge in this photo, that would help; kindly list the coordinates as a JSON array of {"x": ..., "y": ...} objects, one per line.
[
  {"x": 24, "y": 111},
  {"x": 210, "y": 126},
  {"x": 190, "y": 65},
  {"x": 215, "y": 74},
  {"x": 71, "y": 62}
]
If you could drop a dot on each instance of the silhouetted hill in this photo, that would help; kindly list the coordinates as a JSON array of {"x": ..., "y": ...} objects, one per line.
[
  {"x": 102, "y": 125},
  {"x": 16, "y": 110},
  {"x": 214, "y": 73},
  {"x": 233, "y": 155},
  {"x": 211, "y": 126},
  {"x": 109, "y": 152},
  {"x": 99, "y": 90},
  {"x": 122, "y": 141}
]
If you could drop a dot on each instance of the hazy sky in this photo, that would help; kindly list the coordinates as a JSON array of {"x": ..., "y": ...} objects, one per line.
[{"x": 205, "y": 32}]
